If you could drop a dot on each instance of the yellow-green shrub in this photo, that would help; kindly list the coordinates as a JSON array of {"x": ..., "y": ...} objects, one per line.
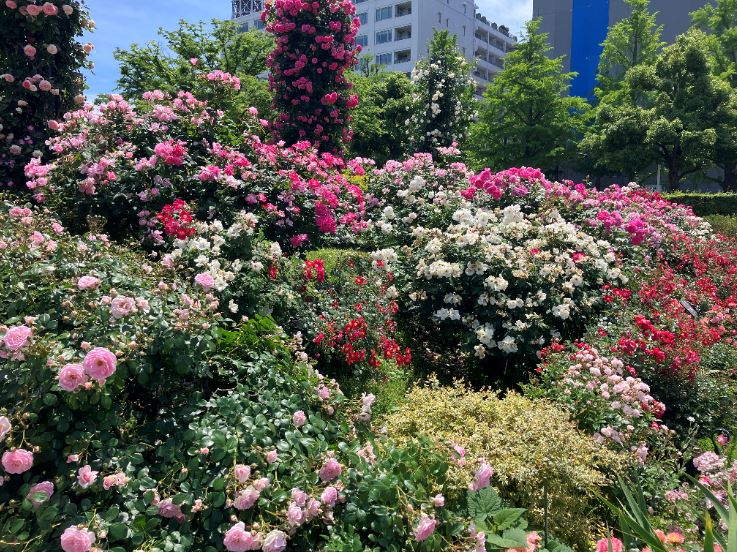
[{"x": 528, "y": 442}]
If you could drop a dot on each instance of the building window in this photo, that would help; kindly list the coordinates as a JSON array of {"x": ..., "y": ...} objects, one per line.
[
  {"x": 447, "y": 22},
  {"x": 405, "y": 8},
  {"x": 403, "y": 33},
  {"x": 383, "y": 37},
  {"x": 464, "y": 30},
  {"x": 362, "y": 40},
  {"x": 363, "y": 18},
  {"x": 403, "y": 56},
  {"x": 258, "y": 24},
  {"x": 384, "y": 13},
  {"x": 384, "y": 59},
  {"x": 440, "y": 17}
]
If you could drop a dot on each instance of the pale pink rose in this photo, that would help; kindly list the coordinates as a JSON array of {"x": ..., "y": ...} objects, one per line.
[
  {"x": 275, "y": 541},
  {"x": 295, "y": 516},
  {"x": 71, "y": 377},
  {"x": 40, "y": 493},
  {"x": 438, "y": 501},
  {"x": 329, "y": 496},
  {"x": 205, "y": 280},
  {"x": 67, "y": 9},
  {"x": 122, "y": 306},
  {"x": 312, "y": 509},
  {"x": 5, "y": 427},
  {"x": 88, "y": 282},
  {"x": 88, "y": 47},
  {"x": 29, "y": 50},
  {"x": 99, "y": 363},
  {"x": 425, "y": 528},
  {"x": 299, "y": 418},
  {"x": 602, "y": 545},
  {"x": 17, "y": 461},
  {"x": 253, "y": 111},
  {"x": 482, "y": 479},
  {"x": 237, "y": 539},
  {"x": 299, "y": 497},
  {"x": 272, "y": 456},
  {"x": 169, "y": 510},
  {"x": 74, "y": 539},
  {"x": 45, "y": 85},
  {"x": 261, "y": 484},
  {"x": 72, "y": 458},
  {"x": 242, "y": 473},
  {"x": 11, "y": 4},
  {"x": 246, "y": 499},
  {"x": 17, "y": 337},
  {"x": 52, "y": 49},
  {"x": 86, "y": 477},
  {"x": 204, "y": 450},
  {"x": 323, "y": 392},
  {"x": 33, "y": 10},
  {"x": 330, "y": 470},
  {"x": 50, "y": 9},
  {"x": 85, "y": 345},
  {"x": 119, "y": 479}
]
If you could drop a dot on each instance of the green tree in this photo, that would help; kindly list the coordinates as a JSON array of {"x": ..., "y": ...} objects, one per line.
[
  {"x": 443, "y": 96},
  {"x": 526, "y": 116},
  {"x": 174, "y": 63},
  {"x": 379, "y": 122}
]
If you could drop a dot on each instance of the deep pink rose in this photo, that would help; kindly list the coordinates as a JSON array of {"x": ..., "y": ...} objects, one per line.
[
  {"x": 71, "y": 377},
  {"x": 74, "y": 539},
  {"x": 40, "y": 493},
  {"x": 17, "y": 461},
  {"x": 17, "y": 337},
  {"x": 99, "y": 363}
]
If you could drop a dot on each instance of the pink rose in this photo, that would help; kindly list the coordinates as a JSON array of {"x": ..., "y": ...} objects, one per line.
[
  {"x": 17, "y": 461},
  {"x": 119, "y": 479},
  {"x": 299, "y": 497},
  {"x": 11, "y": 4},
  {"x": 602, "y": 545},
  {"x": 438, "y": 501},
  {"x": 330, "y": 470},
  {"x": 72, "y": 458},
  {"x": 275, "y": 541},
  {"x": 482, "y": 479},
  {"x": 29, "y": 50},
  {"x": 295, "y": 515},
  {"x": 299, "y": 418},
  {"x": 246, "y": 499},
  {"x": 99, "y": 363},
  {"x": 88, "y": 282},
  {"x": 329, "y": 496},
  {"x": 323, "y": 392},
  {"x": 169, "y": 510},
  {"x": 237, "y": 539},
  {"x": 52, "y": 49},
  {"x": 424, "y": 528},
  {"x": 17, "y": 337},
  {"x": 74, "y": 539},
  {"x": 85, "y": 476},
  {"x": 40, "y": 493},
  {"x": 205, "y": 280},
  {"x": 121, "y": 306},
  {"x": 71, "y": 377},
  {"x": 261, "y": 484},
  {"x": 242, "y": 473},
  {"x": 50, "y": 9},
  {"x": 5, "y": 427},
  {"x": 272, "y": 456},
  {"x": 67, "y": 9}
]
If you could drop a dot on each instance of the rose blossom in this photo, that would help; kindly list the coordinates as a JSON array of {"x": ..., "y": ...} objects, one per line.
[
  {"x": 438, "y": 501},
  {"x": 71, "y": 377},
  {"x": 295, "y": 515},
  {"x": 99, "y": 363},
  {"x": 88, "y": 282},
  {"x": 329, "y": 496},
  {"x": 272, "y": 456},
  {"x": 17, "y": 337},
  {"x": 330, "y": 470},
  {"x": 74, "y": 539},
  {"x": 275, "y": 541},
  {"x": 45, "y": 487},
  {"x": 246, "y": 499},
  {"x": 602, "y": 545},
  {"x": 17, "y": 461},
  {"x": 52, "y": 49},
  {"x": 299, "y": 418},
  {"x": 50, "y": 9},
  {"x": 261, "y": 484},
  {"x": 482, "y": 479},
  {"x": 237, "y": 539},
  {"x": 121, "y": 306},
  {"x": 119, "y": 479},
  {"x": 29, "y": 50},
  {"x": 86, "y": 477},
  {"x": 299, "y": 497},
  {"x": 242, "y": 473},
  {"x": 205, "y": 280},
  {"x": 67, "y": 9},
  {"x": 5, "y": 427},
  {"x": 424, "y": 528}
]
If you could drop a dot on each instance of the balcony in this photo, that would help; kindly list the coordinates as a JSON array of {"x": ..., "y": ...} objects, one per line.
[
  {"x": 403, "y": 33},
  {"x": 402, "y": 56},
  {"x": 405, "y": 8}
]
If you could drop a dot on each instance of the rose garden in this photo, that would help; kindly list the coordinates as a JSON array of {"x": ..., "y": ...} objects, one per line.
[{"x": 221, "y": 331}]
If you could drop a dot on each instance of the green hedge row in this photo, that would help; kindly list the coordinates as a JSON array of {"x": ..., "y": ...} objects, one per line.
[{"x": 704, "y": 204}]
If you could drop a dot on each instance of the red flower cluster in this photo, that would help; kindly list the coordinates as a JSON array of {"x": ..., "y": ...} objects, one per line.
[
  {"x": 319, "y": 269},
  {"x": 176, "y": 219}
]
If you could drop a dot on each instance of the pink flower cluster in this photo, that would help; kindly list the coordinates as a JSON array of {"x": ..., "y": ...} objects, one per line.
[
  {"x": 99, "y": 364},
  {"x": 223, "y": 77}
]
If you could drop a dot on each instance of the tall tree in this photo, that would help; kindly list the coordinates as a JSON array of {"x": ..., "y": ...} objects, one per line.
[
  {"x": 527, "y": 116},
  {"x": 443, "y": 96}
]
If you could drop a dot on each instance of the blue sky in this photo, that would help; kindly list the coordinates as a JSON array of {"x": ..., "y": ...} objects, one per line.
[{"x": 122, "y": 22}]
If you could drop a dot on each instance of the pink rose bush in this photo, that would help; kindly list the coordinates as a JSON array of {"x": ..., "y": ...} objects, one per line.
[{"x": 76, "y": 539}]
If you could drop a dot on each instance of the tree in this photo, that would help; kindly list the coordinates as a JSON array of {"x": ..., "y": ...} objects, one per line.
[
  {"x": 379, "y": 121},
  {"x": 526, "y": 116},
  {"x": 41, "y": 58},
  {"x": 683, "y": 107},
  {"x": 315, "y": 46},
  {"x": 442, "y": 97},
  {"x": 720, "y": 22},
  {"x": 195, "y": 49},
  {"x": 629, "y": 42}
]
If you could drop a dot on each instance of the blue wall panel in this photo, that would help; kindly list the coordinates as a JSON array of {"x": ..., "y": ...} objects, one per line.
[{"x": 589, "y": 29}]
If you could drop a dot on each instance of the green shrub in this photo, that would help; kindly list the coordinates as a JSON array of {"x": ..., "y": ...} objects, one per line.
[
  {"x": 529, "y": 443},
  {"x": 704, "y": 204},
  {"x": 723, "y": 224}
]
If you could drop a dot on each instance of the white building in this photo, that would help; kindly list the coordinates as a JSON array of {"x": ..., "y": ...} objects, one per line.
[{"x": 397, "y": 33}]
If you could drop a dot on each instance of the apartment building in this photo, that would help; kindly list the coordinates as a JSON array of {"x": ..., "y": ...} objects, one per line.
[{"x": 397, "y": 33}]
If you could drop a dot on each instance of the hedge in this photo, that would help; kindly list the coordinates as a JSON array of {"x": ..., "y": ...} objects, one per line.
[{"x": 704, "y": 204}]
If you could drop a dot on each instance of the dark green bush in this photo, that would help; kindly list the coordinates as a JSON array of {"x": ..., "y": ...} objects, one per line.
[{"x": 704, "y": 204}]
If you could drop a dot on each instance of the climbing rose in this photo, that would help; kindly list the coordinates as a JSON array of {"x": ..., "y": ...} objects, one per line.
[
  {"x": 246, "y": 499},
  {"x": 299, "y": 418},
  {"x": 329, "y": 496},
  {"x": 71, "y": 377},
  {"x": 17, "y": 337},
  {"x": 99, "y": 363},
  {"x": 237, "y": 539},
  {"x": 276, "y": 541},
  {"x": 424, "y": 528},
  {"x": 4, "y": 427},
  {"x": 17, "y": 461},
  {"x": 330, "y": 470},
  {"x": 74, "y": 539},
  {"x": 85, "y": 476}
]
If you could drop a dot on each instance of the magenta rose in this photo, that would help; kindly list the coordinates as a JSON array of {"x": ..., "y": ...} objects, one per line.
[
  {"x": 17, "y": 461},
  {"x": 71, "y": 377},
  {"x": 237, "y": 539},
  {"x": 17, "y": 337},
  {"x": 99, "y": 363},
  {"x": 40, "y": 493},
  {"x": 74, "y": 539}
]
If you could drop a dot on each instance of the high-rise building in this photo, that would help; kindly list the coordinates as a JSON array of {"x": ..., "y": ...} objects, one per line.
[
  {"x": 397, "y": 33},
  {"x": 578, "y": 27}
]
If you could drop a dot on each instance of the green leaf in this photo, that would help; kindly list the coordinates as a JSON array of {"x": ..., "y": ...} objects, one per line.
[
  {"x": 508, "y": 517},
  {"x": 483, "y": 504},
  {"x": 118, "y": 531}
]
